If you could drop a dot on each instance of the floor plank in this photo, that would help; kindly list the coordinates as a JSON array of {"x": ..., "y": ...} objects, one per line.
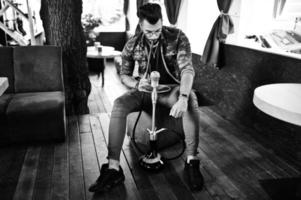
[
  {"x": 11, "y": 161},
  {"x": 90, "y": 163},
  {"x": 76, "y": 176},
  {"x": 273, "y": 163},
  {"x": 60, "y": 174},
  {"x": 24, "y": 189},
  {"x": 219, "y": 178},
  {"x": 43, "y": 185},
  {"x": 84, "y": 124},
  {"x": 96, "y": 106},
  {"x": 235, "y": 166}
]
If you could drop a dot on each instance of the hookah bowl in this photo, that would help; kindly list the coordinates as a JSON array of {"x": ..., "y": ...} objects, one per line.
[{"x": 152, "y": 161}]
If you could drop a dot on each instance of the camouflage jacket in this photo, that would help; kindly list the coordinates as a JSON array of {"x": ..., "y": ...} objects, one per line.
[{"x": 175, "y": 51}]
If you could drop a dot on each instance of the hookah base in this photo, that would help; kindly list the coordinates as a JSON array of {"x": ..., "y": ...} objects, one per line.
[{"x": 151, "y": 162}]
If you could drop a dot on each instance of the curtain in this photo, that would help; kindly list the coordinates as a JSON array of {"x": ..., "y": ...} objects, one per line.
[
  {"x": 278, "y": 7},
  {"x": 125, "y": 11},
  {"x": 172, "y": 10},
  {"x": 139, "y": 3},
  {"x": 218, "y": 34}
]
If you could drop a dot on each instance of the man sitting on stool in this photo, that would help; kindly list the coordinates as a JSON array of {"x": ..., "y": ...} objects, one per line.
[{"x": 166, "y": 50}]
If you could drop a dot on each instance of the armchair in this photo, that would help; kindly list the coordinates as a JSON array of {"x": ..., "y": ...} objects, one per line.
[{"x": 33, "y": 107}]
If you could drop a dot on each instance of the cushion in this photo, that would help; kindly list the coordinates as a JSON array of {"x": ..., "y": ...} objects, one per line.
[
  {"x": 37, "y": 116},
  {"x": 4, "y": 101},
  {"x": 168, "y": 138},
  {"x": 6, "y": 67},
  {"x": 38, "y": 69}
]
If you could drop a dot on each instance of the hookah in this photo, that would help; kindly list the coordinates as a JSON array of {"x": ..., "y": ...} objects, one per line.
[{"x": 153, "y": 160}]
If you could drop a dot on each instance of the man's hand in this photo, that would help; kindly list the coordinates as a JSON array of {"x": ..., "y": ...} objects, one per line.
[
  {"x": 179, "y": 108},
  {"x": 143, "y": 82}
]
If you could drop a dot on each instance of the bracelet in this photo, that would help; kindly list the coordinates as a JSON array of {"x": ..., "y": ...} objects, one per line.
[{"x": 185, "y": 96}]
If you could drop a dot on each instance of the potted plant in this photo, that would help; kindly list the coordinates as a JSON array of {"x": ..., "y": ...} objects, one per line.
[{"x": 89, "y": 22}]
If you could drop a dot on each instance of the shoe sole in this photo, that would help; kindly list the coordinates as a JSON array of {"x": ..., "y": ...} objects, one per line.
[{"x": 115, "y": 183}]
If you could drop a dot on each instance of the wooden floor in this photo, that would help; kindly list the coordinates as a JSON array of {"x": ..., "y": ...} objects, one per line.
[{"x": 231, "y": 161}]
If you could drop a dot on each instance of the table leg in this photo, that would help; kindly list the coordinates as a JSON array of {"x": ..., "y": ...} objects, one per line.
[
  {"x": 97, "y": 65},
  {"x": 103, "y": 71}
]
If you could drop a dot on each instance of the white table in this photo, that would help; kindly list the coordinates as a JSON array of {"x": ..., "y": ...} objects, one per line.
[
  {"x": 107, "y": 52},
  {"x": 3, "y": 84},
  {"x": 282, "y": 101}
]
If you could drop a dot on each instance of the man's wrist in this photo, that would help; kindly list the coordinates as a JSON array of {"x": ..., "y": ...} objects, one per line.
[
  {"x": 183, "y": 96},
  {"x": 137, "y": 84}
]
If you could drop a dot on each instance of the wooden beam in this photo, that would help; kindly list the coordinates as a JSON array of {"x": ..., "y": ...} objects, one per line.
[
  {"x": 17, "y": 37},
  {"x": 29, "y": 18},
  {"x": 16, "y": 9},
  {"x": 2, "y": 11},
  {"x": 32, "y": 36}
]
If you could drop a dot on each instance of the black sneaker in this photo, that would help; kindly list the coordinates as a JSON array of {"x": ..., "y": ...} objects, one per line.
[
  {"x": 108, "y": 178},
  {"x": 193, "y": 175}
]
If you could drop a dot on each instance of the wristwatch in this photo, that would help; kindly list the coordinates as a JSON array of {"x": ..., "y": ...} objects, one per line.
[{"x": 184, "y": 95}]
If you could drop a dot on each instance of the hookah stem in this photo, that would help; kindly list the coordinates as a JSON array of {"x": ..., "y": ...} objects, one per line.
[
  {"x": 153, "y": 119},
  {"x": 154, "y": 102},
  {"x": 153, "y": 135}
]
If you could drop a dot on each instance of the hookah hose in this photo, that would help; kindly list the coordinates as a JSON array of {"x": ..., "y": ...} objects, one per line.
[{"x": 141, "y": 151}]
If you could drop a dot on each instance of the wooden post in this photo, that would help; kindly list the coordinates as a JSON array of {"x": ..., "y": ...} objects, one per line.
[{"x": 32, "y": 36}]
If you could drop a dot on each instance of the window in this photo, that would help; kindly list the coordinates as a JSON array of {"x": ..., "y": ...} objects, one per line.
[
  {"x": 16, "y": 22},
  {"x": 110, "y": 13},
  {"x": 287, "y": 9},
  {"x": 272, "y": 24},
  {"x": 199, "y": 20}
]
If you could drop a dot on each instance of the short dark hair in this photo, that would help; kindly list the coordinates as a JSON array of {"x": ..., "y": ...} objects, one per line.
[{"x": 151, "y": 12}]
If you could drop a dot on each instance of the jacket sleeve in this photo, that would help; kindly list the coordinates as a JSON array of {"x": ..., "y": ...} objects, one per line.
[
  {"x": 184, "y": 55},
  {"x": 127, "y": 66}
]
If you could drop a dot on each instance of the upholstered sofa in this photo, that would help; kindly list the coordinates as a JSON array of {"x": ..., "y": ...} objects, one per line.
[{"x": 32, "y": 109}]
